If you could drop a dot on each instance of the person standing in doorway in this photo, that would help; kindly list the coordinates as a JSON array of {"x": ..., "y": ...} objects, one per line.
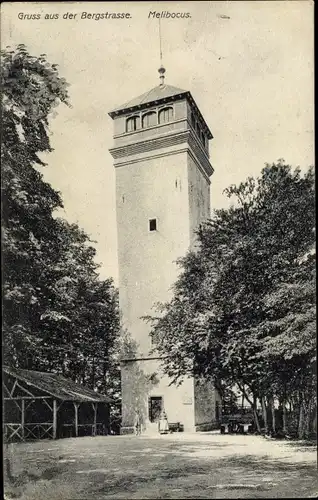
[{"x": 163, "y": 423}]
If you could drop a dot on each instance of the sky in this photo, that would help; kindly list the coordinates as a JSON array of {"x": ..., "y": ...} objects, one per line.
[{"x": 248, "y": 65}]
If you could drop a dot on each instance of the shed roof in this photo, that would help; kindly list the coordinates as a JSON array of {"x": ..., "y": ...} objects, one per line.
[{"x": 56, "y": 385}]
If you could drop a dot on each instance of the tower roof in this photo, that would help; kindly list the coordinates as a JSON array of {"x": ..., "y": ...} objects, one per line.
[
  {"x": 161, "y": 93},
  {"x": 153, "y": 95}
]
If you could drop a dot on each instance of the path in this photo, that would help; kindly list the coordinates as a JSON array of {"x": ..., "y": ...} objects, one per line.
[{"x": 175, "y": 466}]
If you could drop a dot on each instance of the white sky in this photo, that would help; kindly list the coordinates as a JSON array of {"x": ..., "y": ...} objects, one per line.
[{"x": 251, "y": 76}]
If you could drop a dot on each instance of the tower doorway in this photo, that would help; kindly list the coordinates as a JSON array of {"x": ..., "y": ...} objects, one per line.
[{"x": 155, "y": 406}]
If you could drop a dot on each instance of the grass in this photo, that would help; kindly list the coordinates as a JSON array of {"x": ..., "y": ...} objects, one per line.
[{"x": 176, "y": 466}]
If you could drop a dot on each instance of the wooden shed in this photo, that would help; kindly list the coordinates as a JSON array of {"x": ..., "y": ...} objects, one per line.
[{"x": 40, "y": 405}]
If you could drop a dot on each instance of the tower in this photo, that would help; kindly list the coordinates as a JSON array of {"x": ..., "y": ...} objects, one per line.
[{"x": 161, "y": 157}]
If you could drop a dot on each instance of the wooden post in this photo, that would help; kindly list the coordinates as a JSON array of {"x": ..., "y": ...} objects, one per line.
[
  {"x": 76, "y": 418},
  {"x": 54, "y": 418},
  {"x": 22, "y": 417},
  {"x": 94, "y": 430}
]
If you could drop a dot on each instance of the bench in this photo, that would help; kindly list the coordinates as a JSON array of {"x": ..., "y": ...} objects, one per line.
[{"x": 176, "y": 427}]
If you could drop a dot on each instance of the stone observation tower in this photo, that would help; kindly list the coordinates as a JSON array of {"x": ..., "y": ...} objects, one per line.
[{"x": 161, "y": 157}]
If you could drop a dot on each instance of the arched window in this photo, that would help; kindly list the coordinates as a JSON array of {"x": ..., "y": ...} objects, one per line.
[
  {"x": 149, "y": 119},
  {"x": 165, "y": 115},
  {"x": 132, "y": 123}
]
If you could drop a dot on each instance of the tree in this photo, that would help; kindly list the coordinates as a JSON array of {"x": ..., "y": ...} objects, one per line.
[
  {"x": 58, "y": 315},
  {"x": 31, "y": 89},
  {"x": 220, "y": 322},
  {"x": 290, "y": 341}
]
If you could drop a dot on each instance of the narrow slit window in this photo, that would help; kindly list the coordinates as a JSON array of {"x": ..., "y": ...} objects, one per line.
[{"x": 152, "y": 224}]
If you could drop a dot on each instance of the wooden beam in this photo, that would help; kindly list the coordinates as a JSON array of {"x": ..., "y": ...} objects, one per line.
[
  {"x": 29, "y": 432},
  {"x": 13, "y": 388},
  {"x": 22, "y": 418},
  {"x": 10, "y": 427},
  {"x": 76, "y": 405},
  {"x": 54, "y": 418},
  {"x": 30, "y": 423},
  {"x": 15, "y": 402},
  {"x": 4, "y": 385},
  {"x": 25, "y": 390},
  {"x": 47, "y": 404},
  {"x": 19, "y": 398},
  {"x": 29, "y": 404},
  {"x": 59, "y": 406}
]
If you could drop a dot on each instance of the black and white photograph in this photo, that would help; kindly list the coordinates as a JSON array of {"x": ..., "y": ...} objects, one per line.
[{"x": 158, "y": 250}]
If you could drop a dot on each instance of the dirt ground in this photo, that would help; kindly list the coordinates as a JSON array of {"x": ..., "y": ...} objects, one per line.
[{"x": 201, "y": 465}]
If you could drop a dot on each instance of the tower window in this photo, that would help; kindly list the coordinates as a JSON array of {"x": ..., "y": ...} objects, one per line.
[
  {"x": 132, "y": 123},
  {"x": 149, "y": 119},
  {"x": 152, "y": 224},
  {"x": 165, "y": 115}
]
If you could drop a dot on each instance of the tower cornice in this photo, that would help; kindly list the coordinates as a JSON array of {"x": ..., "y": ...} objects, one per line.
[{"x": 163, "y": 143}]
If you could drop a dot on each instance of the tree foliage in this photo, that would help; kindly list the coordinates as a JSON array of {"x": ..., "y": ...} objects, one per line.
[
  {"x": 243, "y": 311},
  {"x": 58, "y": 315}
]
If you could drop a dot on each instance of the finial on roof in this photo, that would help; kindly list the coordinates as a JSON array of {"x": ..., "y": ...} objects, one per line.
[{"x": 161, "y": 72}]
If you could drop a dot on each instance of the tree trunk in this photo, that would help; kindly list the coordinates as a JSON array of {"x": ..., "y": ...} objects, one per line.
[
  {"x": 301, "y": 421},
  {"x": 104, "y": 372},
  {"x": 258, "y": 427},
  {"x": 264, "y": 410},
  {"x": 272, "y": 407},
  {"x": 314, "y": 422},
  {"x": 93, "y": 373},
  {"x": 284, "y": 418},
  {"x": 307, "y": 418},
  {"x": 253, "y": 404}
]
